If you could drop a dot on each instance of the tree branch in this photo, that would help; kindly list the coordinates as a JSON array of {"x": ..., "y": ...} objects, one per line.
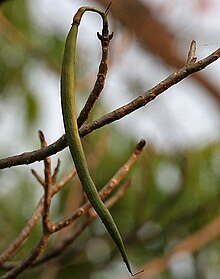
[
  {"x": 38, "y": 249},
  {"x": 25, "y": 232},
  {"x": 144, "y": 99},
  {"x": 57, "y": 251},
  {"x": 101, "y": 76},
  {"x": 139, "y": 19},
  {"x": 49, "y": 228}
]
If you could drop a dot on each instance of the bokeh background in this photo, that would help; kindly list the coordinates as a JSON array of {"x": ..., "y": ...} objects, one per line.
[{"x": 175, "y": 184}]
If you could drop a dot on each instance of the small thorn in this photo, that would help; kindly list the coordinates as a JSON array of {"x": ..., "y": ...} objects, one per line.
[
  {"x": 99, "y": 36},
  {"x": 108, "y": 8},
  {"x": 110, "y": 36}
]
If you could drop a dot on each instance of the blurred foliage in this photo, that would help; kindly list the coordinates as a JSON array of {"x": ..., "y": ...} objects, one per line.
[{"x": 172, "y": 195}]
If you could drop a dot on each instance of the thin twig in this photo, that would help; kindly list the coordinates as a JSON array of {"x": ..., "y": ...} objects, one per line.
[
  {"x": 101, "y": 76},
  {"x": 47, "y": 187},
  {"x": 144, "y": 99},
  {"x": 104, "y": 193},
  {"x": 64, "y": 181},
  {"x": 29, "y": 260},
  {"x": 107, "y": 189},
  {"x": 149, "y": 95},
  {"x": 70, "y": 239},
  {"x": 56, "y": 171},
  {"x": 16, "y": 244},
  {"x": 38, "y": 177}
]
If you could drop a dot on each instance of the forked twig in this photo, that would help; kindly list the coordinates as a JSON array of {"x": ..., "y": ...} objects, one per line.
[
  {"x": 25, "y": 232},
  {"x": 104, "y": 193},
  {"x": 80, "y": 228},
  {"x": 101, "y": 76},
  {"x": 38, "y": 249},
  {"x": 142, "y": 100},
  {"x": 107, "y": 189}
]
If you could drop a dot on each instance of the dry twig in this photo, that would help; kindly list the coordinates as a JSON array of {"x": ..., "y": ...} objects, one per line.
[
  {"x": 81, "y": 227},
  {"x": 107, "y": 189},
  {"x": 144, "y": 99},
  {"x": 25, "y": 232},
  {"x": 101, "y": 77},
  {"x": 49, "y": 228}
]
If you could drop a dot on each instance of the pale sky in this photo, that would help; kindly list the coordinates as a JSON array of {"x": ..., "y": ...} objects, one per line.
[{"x": 183, "y": 116}]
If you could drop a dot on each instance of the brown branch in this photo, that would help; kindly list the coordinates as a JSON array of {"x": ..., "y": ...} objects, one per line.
[
  {"x": 151, "y": 94},
  {"x": 29, "y": 260},
  {"x": 56, "y": 171},
  {"x": 101, "y": 76},
  {"x": 48, "y": 180},
  {"x": 144, "y": 99},
  {"x": 70, "y": 239},
  {"x": 137, "y": 17},
  {"x": 27, "y": 158},
  {"x": 63, "y": 182},
  {"x": 107, "y": 189},
  {"x": 16, "y": 244},
  {"x": 23, "y": 235},
  {"x": 104, "y": 193},
  {"x": 60, "y": 144},
  {"x": 38, "y": 177}
]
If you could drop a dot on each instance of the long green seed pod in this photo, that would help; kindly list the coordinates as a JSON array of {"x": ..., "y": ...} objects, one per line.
[{"x": 72, "y": 134}]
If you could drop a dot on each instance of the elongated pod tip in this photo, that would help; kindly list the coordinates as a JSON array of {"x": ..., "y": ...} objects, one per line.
[
  {"x": 134, "y": 274},
  {"x": 129, "y": 269}
]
